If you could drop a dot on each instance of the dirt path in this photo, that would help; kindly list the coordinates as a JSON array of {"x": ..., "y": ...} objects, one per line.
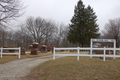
[{"x": 14, "y": 70}]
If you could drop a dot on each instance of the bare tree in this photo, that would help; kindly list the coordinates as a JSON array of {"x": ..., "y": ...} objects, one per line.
[
  {"x": 39, "y": 30},
  {"x": 49, "y": 31},
  {"x": 10, "y": 39},
  {"x": 59, "y": 34},
  {"x": 21, "y": 39},
  {"x": 9, "y": 10},
  {"x": 65, "y": 42},
  {"x": 112, "y": 30},
  {"x": 3, "y": 35},
  {"x": 34, "y": 28}
]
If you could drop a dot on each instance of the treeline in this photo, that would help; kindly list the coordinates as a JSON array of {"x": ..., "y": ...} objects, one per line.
[
  {"x": 48, "y": 32},
  {"x": 112, "y": 31},
  {"x": 45, "y": 32}
]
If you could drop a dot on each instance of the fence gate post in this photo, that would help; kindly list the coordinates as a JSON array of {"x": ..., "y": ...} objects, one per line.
[
  {"x": 78, "y": 54},
  {"x": 54, "y": 53},
  {"x": 104, "y": 55},
  {"x": 1, "y": 51}
]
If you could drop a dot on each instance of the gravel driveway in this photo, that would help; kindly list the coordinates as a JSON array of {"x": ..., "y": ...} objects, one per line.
[{"x": 14, "y": 70}]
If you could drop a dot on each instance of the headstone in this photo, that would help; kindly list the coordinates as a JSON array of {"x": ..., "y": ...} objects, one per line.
[
  {"x": 22, "y": 51},
  {"x": 70, "y": 50},
  {"x": 101, "y": 52},
  {"x": 34, "y": 48},
  {"x": 34, "y": 52},
  {"x": 44, "y": 49}
]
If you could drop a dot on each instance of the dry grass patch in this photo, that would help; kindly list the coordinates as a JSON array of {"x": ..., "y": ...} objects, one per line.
[
  {"x": 74, "y": 52},
  {"x": 68, "y": 68},
  {"x": 7, "y": 58}
]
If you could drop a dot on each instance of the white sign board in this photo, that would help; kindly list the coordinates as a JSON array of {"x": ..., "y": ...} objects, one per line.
[{"x": 103, "y": 40}]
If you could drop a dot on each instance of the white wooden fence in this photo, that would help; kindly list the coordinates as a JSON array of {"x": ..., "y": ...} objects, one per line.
[
  {"x": 19, "y": 50},
  {"x": 90, "y": 55}
]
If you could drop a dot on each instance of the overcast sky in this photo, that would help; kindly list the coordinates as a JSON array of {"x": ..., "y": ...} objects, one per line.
[{"x": 62, "y": 10}]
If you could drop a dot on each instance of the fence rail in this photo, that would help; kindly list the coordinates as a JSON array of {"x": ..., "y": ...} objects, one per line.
[
  {"x": 90, "y": 55},
  {"x": 19, "y": 50}
]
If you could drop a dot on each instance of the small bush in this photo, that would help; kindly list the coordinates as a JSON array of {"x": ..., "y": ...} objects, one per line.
[{"x": 11, "y": 50}]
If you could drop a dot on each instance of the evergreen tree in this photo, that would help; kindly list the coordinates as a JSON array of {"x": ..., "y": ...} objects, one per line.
[
  {"x": 91, "y": 25},
  {"x": 83, "y": 25}
]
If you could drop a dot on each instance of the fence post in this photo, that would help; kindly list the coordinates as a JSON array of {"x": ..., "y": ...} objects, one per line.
[
  {"x": 1, "y": 51},
  {"x": 54, "y": 53},
  {"x": 114, "y": 54},
  {"x": 114, "y": 48},
  {"x": 91, "y": 53},
  {"x": 104, "y": 55},
  {"x": 19, "y": 52},
  {"x": 91, "y": 49},
  {"x": 78, "y": 54}
]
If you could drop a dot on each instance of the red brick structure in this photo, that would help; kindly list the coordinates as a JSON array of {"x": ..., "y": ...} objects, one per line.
[
  {"x": 34, "y": 48},
  {"x": 102, "y": 52},
  {"x": 44, "y": 49},
  {"x": 22, "y": 51}
]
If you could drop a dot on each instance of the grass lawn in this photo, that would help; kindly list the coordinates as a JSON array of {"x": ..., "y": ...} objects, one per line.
[
  {"x": 7, "y": 58},
  {"x": 69, "y": 68}
]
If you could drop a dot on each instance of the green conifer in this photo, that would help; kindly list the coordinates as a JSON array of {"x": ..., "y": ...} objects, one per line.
[{"x": 83, "y": 25}]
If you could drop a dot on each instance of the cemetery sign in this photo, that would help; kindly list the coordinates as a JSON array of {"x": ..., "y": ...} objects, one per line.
[{"x": 103, "y": 40}]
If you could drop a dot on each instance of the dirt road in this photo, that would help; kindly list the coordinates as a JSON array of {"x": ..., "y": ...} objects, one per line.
[{"x": 14, "y": 70}]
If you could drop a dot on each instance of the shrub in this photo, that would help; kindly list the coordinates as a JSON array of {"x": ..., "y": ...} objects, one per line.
[{"x": 11, "y": 50}]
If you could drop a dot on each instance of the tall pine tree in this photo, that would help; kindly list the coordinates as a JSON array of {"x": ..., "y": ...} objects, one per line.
[
  {"x": 83, "y": 25},
  {"x": 92, "y": 26}
]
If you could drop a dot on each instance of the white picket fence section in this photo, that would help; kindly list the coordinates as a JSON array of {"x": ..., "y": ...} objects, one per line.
[
  {"x": 90, "y": 55},
  {"x": 1, "y": 53}
]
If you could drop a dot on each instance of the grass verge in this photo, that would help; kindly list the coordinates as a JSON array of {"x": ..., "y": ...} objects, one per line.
[
  {"x": 68, "y": 68},
  {"x": 7, "y": 58}
]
